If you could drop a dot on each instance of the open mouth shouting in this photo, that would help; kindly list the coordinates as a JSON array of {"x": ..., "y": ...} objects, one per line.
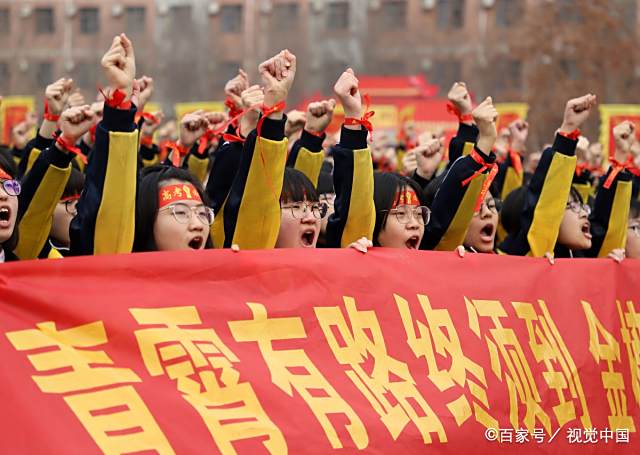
[
  {"x": 413, "y": 242},
  {"x": 5, "y": 217},
  {"x": 197, "y": 243},
  {"x": 487, "y": 233},
  {"x": 308, "y": 237},
  {"x": 586, "y": 230}
]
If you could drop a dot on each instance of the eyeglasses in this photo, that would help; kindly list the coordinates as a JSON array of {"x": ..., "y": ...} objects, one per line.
[
  {"x": 329, "y": 198},
  {"x": 404, "y": 214},
  {"x": 71, "y": 206},
  {"x": 11, "y": 187},
  {"x": 300, "y": 209},
  {"x": 183, "y": 213},
  {"x": 577, "y": 207},
  {"x": 493, "y": 205}
]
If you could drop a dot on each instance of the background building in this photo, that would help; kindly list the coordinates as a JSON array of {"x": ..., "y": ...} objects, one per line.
[{"x": 539, "y": 51}]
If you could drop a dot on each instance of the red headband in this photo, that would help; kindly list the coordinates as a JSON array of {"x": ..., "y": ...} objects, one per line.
[
  {"x": 407, "y": 197},
  {"x": 175, "y": 193},
  {"x": 4, "y": 175}
]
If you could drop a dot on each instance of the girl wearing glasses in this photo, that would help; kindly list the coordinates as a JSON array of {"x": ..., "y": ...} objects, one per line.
[
  {"x": 633, "y": 231},
  {"x": 481, "y": 235},
  {"x": 9, "y": 192}
]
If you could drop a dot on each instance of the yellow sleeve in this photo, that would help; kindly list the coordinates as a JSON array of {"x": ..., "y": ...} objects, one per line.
[
  {"x": 616, "y": 235},
  {"x": 362, "y": 212},
  {"x": 198, "y": 166},
  {"x": 309, "y": 163},
  {"x": 512, "y": 181}
]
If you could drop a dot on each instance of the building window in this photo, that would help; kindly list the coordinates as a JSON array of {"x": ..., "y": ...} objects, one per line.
[
  {"x": 450, "y": 14},
  {"x": 44, "y": 74},
  {"x": 445, "y": 73},
  {"x": 338, "y": 16},
  {"x": 135, "y": 19},
  {"x": 44, "y": 21},
  {"x": 509, "y": 12},
  {"x": 285, "y": 15},
  {"x": 5, "y": 21},
  {"x": 508, "y": 75},
  {"x": 89, "y": 21},
  {"x": 231, "y": 18},
  {"x": 394, "y": 14}
]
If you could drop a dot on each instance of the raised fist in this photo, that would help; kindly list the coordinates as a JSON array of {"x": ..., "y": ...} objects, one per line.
[
  {"x": 146, "y": 88},
  {"x": 347, "y": 91},
  {"x": 76, "y": 99},
  {"x": 119, "y": 64},
  {"x": 76, "y": 121},
  {"x": 519, "y": 130},
  {"x": 485, "y": 116},
  {"x": 576, "y": 112},
  {"x": 234, "y": 88},
  {"x": 319, "y": 115},
  {"x": 295, "y": 122},
  {"x": 215, "y": 120},
  {"x": 459, "y": 96},
  {"x": 624, "y": 135},
  {"x": 149, "y": 126},
  {"x": 251, "y": 97},
  {"x": 429, "y": 155},
  {"x": 57, "y": 95},
  {"x": 277, "y": 75},
  {"x": 192, "y": 126}
]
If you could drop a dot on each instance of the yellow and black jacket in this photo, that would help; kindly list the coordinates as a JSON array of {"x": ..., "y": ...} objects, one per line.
[
  {"x": 42, "y": 188},
  {"x": 34, "y": 147},
  {"x": 105, "y": 222},
  {"x": 355, "y": 213},
  {"x": 459, "y": 145},
  {"x": 545, "y": 202},
  {"x": 508, "y": 178},
  {"x": 307, "y": 155},
  {"x": 252, "y": 210},
  {"x": 453, "y": 205}
]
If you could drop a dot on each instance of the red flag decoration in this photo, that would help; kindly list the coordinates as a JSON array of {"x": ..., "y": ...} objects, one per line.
[{"x": 315, "y": 352}]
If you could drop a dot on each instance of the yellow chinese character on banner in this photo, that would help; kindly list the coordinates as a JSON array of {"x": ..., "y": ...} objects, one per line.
[
  {"x": 630, "y": 321},
  {"x": 505, "y": 349},
  {"x": 387, "y": 375},
  {"x": 439, "y": 336},
  {"x": 192, "y": 356},
  {"x": 292, "y": 369},
  {"x": 612, "y": 380},
  {"x": 561, "y": 375},
  {"x": 100, "y": 412}
]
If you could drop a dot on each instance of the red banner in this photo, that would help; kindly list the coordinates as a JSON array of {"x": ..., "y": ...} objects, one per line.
[{"x": 314, "y": 351}]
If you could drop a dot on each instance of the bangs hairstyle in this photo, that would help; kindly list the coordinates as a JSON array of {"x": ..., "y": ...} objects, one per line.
[
  {"x": 8, "y": 165},
  {"x": 147, "y": 202},
  {"x": 75, "y": 184},
  {"x": 297, "y": 187},
  {"x": 387, "y": 188}
]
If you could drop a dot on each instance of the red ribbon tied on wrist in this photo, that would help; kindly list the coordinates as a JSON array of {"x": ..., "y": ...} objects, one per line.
[
  {"x": 177, "y": 152},
  {"x": 516, "y": 161},
  {"x": 487, "y": 183},
  {"x": 617, "y": 167},
  {"x": 116, "y": 100},
  {"x": 234, "y": 111},
  {"x": 573, "y": 135},
  {"x": 453, "y": 110},
  {"x": 147, "y": 116},
  {"x": 364, "y": 121},
  {"x": 48, "y": 115},
  {"x": 266, "y": 112},
  {"x": 69, "y": 147},
  {"x": 232, "y": 138}
]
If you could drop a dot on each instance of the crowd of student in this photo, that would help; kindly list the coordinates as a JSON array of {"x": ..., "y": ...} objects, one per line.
[{"x": 107, "y": 178}]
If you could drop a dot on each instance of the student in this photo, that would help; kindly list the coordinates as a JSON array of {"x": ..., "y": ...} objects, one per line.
[
  {"x": 9, "y": 192},
  {"x": 64, "y": 212},
  {"x": 633, "y": 231},
  {"x": 481, "y": 235}
]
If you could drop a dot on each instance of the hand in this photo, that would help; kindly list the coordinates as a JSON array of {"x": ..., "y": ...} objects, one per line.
[
  {"x": 57, "y": 95},
  {"x": 319, "y": 115},
  {"x": 119, "y": 64},
  {"x": 76, "y": 121},
  {"x": 234, "y": 88},
  {"x": 146, "y": 87},
  {"x": 617, "y": 255},
  {"x": 346, "y": 89},
  {"x": 277, "y": 75},
  {"x": 519, "y": 130},
  {"x": 429, "y": 155},
  {"x": 252, "y": 96},
  {"x": 149, "y": 127},
  {"x": 20, "y": 135},
  {"x": 460, "y": 251},
  {"x": 576, "y": 112},
  {"x": 624, "y": 137},
  {"x": 459, "y": 96},
  {"x": 409, "y": 162},
  {"x": 362, "y": 245},
  {"x": 485, "y": 116},
  {"x": 295, "y": 122},
  {"x": 75, "y": 99},
  {"x": 192, "y": 126},
  {"x": 582, "y": 150}
]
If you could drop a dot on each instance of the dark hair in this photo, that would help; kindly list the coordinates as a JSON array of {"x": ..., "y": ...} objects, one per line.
[
  {"x": 147, "y": 202},
  {"x": 297, "y": 187},
  {"x": 387, "y": 188},
  {"x": 634, "y": 211},
  {"x": 8, "y": 165},
  {"x": 75, "y": 184},
  {"x": 325, "y": 183}
]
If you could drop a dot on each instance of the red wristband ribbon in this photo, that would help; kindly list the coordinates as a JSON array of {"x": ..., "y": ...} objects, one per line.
[
  {"x": 234, "y": 110},
  {"x": 616, "y": 168},
  {"x": 178, "y": 151},
  {"x": 364, "y": 121},
  {"x": 573, "y": 135},
  {"x": 266, "y": 112},
  {"x": 487, "y": 183},
  {"x": 516, "y": 161},
  {"x": 69, "y": 147},
  {"x": 116, "y": 100},
  {"x": 48, "y": 115},
  {"x": 453, "y": 110},
  {"x": 232, "y": 138}
]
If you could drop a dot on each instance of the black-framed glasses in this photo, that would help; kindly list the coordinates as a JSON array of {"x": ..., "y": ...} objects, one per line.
[
  {"x": 494, "y": 205},
  {"x": 71, "y": 205},
  {"x": 404, "y": 214},
  {"x": 11, "y": 187},
  {"x": 300, "y": 209},
  {"x": 577, "y": 207},
  {"x": 183, "y": 213}
]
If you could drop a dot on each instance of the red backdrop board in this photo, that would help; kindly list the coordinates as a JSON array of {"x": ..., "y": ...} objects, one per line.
[{"x": 319, "y": 351}]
